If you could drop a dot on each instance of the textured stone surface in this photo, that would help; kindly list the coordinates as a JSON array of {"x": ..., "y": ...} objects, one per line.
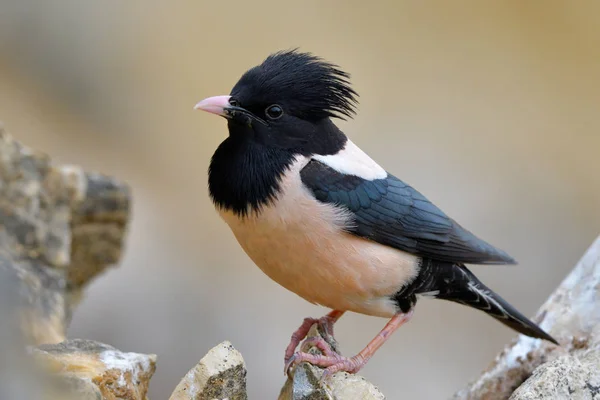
[
  {"x": 572, "y": 316},
  {"x": 59, "y": 228},
  {"x": 90, "y": 370},
  {"x": 575, "y": 377},
  {"x": 220, "y": 374},
  {"x": 305, "y": 382}
]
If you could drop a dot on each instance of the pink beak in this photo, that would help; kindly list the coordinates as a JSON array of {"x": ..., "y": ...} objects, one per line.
[{"x": 214, "y": 105}]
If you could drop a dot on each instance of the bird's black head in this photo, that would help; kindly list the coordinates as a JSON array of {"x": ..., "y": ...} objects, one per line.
[
  {"x": 287, "y": 102},
  {"x": 278, "y": 110}
]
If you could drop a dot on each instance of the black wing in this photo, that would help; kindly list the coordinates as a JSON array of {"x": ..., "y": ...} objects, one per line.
[{"x": 391, "y": 212}]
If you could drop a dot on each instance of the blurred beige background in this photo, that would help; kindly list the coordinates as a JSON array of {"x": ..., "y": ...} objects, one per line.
[{"x": 491, "y": 109}]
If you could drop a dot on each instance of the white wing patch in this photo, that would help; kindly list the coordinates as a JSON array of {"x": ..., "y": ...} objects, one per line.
[{"x": 351, "y": 160}]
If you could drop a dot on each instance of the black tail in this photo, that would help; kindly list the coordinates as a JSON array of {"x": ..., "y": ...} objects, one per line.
[{"x": 454, "y": 282}]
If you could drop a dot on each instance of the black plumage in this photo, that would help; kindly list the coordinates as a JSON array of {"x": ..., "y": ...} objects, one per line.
[
  {"x": 245, "y": 169},
  {"x": 240, "y": 175},
  {"x": 454, "y": 282},
  {"x": 304, "y": 84}
]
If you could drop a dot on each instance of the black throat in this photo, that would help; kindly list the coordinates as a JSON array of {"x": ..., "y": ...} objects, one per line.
[{"x": 245, "y": 173}]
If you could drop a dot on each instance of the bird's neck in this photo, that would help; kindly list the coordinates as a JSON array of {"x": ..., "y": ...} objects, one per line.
[{"x": 244, "y": 175}]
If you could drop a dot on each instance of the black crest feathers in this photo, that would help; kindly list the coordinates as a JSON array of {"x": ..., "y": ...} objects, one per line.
[{"x": 306, "y": 84}]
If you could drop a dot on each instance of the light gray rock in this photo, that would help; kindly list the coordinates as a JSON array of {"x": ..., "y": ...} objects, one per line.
[
  {"x": 220, "y": 374},
  {"x": 89, "y": 370},
  {"x": 572, "y": 316},
  {"x": 59, "y": 228},
  {"x": 573, "y": 377}
]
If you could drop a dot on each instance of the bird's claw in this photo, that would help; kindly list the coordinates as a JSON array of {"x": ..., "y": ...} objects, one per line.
[
  {"x": 319, "y": 343},
  {"x": 316, "y": 342},
  {"x": 287, "y": 368},
  {"x": 332, "y": 364},
  {"x": 297, "y": 337},
  {"x": 325, "y": 324}
]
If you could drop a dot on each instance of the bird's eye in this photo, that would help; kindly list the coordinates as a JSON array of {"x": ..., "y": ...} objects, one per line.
[
  {"x": 233, "y": 102},
  {"x": 274, "y": 112}
]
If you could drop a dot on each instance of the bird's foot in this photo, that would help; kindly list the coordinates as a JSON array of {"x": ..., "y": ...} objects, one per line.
[
  {"x": 325, "y": 324},
  {"x": 332, "y": 363},
  {"x": 320, "y": 343},
  {"x": 312, "y": 342}
]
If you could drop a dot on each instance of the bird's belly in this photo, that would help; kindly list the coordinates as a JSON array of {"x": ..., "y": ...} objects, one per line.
[{"x": 300, "y": 243}]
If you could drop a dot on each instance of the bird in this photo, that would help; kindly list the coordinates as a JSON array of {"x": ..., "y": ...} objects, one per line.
[{"x": 324, "y": 220}]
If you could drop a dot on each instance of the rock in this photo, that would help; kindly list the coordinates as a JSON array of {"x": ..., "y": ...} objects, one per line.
[
  {"x": 339, "y": 387},
  {"x": 575, "y": 377},
  {"x": 572, "y": 316},
  {"x": 59, "y": 228},
  {"x": 305, "y": 383},
  {"x": 220, "y": 374},
  {"x": 92, "y": 370}
]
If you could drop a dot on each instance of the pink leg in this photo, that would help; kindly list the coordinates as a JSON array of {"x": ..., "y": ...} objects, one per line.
[
  {"x": 326, "y": 324},
  {"x": 354, "y": 364}
]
